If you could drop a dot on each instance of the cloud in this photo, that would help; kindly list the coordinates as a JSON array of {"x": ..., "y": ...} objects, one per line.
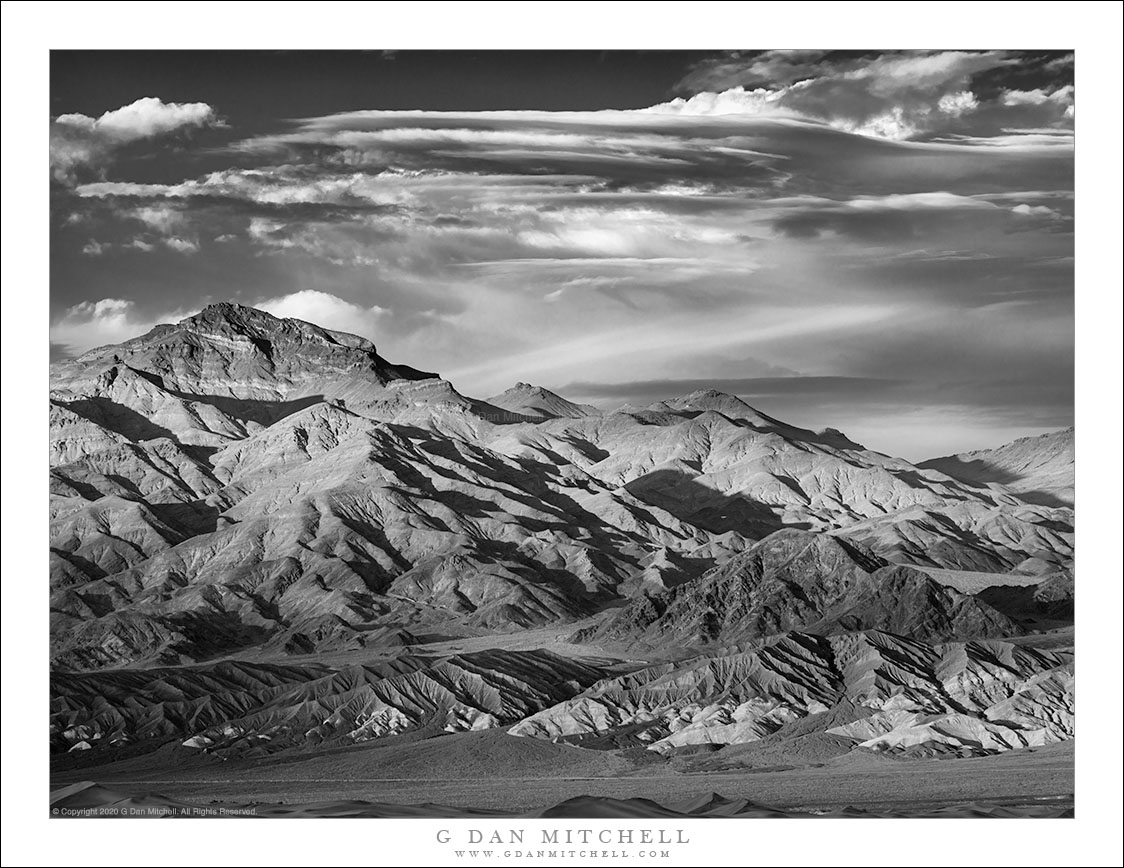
[
  {"x": 162, "y": 218},
  {"x": 891, "y": 95},
  {"x": 880, "y": 218},
  {"x": 630, "y": 346},
  {"x": 81, "y": 143},
  {"x": 181, "y": 245},
  {"x": 775, "y": 226},
  {"x": 326, "y": 310},
  {"x": 91, "y": 324},
  {"x": 1062, "y": 96},
  {"x": 956, "y": 104},
  {"x": 734, "y": 101},
  {"x": 143, "y": 119}
]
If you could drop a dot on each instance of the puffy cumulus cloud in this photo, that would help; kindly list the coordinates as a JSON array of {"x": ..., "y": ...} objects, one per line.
[
  {"x": 734, "y": 101},
  {"x": 327, "y": 310},
  {"x": 894, "y": 95},
  {"x": 79, "y": 142},
  {"x": 956, "y": 104},
  {"x": 143, "y": 119},
  {"x": 91, "y": 324}
]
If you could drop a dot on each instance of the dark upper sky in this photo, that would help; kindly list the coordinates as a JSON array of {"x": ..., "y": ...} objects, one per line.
[
  {"x": 261, "y": 86},
  {"x": 878, "y": 241}
]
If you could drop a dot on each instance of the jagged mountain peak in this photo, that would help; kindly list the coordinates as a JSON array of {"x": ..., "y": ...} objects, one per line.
[
  {"x": 236, "y": 351},
  {"x": 229, "y": 317}
]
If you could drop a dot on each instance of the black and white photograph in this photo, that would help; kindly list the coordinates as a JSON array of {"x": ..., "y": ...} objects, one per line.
[{"x": 561, "y": 446}]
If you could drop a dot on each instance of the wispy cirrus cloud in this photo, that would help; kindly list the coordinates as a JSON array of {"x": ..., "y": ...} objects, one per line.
[{"x": 720, "y": 237}]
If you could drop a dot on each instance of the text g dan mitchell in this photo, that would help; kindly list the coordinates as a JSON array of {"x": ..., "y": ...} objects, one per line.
[{"x": 564, "y": 836}]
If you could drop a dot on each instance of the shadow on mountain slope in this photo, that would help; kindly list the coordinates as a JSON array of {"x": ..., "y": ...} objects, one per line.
[{"x": 689, "y": 501}]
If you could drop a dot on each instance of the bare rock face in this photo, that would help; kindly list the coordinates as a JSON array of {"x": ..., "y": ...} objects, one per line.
[
  {"x": 237, "y": 481},
  {"x": 797, "y": 580}
]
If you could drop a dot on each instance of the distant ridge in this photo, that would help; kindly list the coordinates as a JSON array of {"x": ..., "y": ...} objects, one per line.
[
  {"x": 1039, "y": 469},
  {"x": 539, "y": 403}
]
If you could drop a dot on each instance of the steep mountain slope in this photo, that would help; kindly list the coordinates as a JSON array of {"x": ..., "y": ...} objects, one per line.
[
  {"x": 871, "y": 690},
  {"x": 237, "y": 481},
  {"x": 1039, "y": 469},
  {"x": 798, "y": 580}
]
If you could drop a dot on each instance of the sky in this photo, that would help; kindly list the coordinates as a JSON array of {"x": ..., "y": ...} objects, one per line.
[{"x": 880, "y": 242}]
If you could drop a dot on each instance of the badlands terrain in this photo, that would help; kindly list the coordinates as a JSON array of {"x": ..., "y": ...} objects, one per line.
[{"x": 284, "y": 570}]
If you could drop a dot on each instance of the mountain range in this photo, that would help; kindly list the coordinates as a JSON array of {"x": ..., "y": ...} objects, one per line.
[{"x": 264, "y": 535}]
